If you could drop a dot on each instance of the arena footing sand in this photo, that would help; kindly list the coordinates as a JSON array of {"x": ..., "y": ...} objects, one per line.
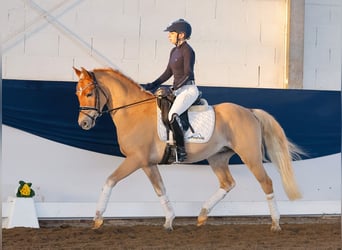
[{"x": 315, "y": 232}]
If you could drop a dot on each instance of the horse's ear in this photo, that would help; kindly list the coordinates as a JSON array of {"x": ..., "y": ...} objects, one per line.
[
  {"x": 85, "y": 73},
  {"x": 78, "y": 72}
]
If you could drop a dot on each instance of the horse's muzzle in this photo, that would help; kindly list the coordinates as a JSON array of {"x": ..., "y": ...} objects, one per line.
[
  {"x": 86, "y": 125},
  {"x": 86, "y": 122}
]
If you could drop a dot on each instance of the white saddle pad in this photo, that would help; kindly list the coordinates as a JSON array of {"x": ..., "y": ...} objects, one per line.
[{"x": 201, "y": 118}]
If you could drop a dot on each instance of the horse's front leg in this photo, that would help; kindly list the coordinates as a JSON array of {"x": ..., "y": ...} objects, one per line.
[
  {"x": 128, "y": 166},
  {"x": 153, "y": 174}
]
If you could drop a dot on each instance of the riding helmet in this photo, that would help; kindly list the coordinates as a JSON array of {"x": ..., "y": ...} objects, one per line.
[{"x": 180, "y": 26}]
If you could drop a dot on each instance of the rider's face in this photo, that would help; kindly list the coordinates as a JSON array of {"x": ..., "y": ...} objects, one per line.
[{"x": 173, "y": 37}]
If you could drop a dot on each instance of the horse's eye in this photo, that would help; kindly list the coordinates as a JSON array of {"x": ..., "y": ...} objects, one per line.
[{"x": 90, "y": 94}]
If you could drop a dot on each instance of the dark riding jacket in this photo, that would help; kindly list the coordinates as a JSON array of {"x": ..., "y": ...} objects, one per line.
[{"x": 181, "y": 66}]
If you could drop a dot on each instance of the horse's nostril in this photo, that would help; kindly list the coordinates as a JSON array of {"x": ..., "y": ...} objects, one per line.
[{"x": 84, "y": 125}]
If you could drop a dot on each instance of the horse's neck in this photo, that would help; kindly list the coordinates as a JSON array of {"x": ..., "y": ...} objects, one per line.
[
  {"x": 126, "y": 115},
  {"x": 120, "y": 92},
  {"x": 122, "y": 95}
]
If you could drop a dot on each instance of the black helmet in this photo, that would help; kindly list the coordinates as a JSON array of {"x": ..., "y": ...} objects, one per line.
[{"x": 180, "y": 26}]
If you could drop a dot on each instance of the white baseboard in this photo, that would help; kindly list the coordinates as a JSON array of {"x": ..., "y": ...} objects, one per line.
[{"x": 62, "y": 210}]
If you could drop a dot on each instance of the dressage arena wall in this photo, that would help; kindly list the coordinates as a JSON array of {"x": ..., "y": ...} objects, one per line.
[
  {"x": 238, "y": 43},
  {"x": 42, "y": 144}
]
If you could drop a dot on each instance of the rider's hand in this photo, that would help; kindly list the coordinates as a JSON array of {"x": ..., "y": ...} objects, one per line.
[{"x": 150, "y": 87}]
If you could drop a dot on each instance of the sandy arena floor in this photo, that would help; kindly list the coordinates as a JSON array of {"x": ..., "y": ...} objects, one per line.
[{"x": 218, "y": 233}]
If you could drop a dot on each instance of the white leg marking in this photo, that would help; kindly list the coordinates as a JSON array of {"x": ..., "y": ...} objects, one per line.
[
  {"x": 103, "y": 200},
  {"x": 168, "y": 210},
  {"x": 273, "y": 207},
  {"x": 214, "y": 199},
  {"x": 209, "y": 204},
  {"x": 272, "y": 204}
]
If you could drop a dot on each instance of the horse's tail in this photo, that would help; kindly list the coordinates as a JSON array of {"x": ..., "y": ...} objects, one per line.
[{"x": 280, "y": 151}]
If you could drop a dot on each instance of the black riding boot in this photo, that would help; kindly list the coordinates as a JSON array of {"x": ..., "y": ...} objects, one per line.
[{"x": 179, "y": 137}]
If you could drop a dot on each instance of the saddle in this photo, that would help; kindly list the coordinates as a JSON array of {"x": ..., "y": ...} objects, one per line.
[{"x": 165, "y": 99}]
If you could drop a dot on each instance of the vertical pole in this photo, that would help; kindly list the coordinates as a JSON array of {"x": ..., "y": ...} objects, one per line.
[{"x": 295, "y": 44}]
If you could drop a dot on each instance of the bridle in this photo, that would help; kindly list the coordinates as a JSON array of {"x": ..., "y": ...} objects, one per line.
[{"x": 97, "y": 107}]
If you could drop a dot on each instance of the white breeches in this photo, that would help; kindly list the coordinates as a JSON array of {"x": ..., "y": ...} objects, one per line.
[{"x": 185, "y": 96}]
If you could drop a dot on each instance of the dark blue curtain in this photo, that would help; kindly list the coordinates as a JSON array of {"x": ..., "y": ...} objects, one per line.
[{"x": 310, "y": 118}]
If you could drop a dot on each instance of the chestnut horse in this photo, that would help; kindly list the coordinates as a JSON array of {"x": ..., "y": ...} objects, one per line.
[{"x": 237, "y": 130}]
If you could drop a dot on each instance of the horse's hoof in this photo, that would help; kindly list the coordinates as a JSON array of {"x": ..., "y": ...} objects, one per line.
[
  {"x": 275, "y": 227},
  {"x": 201, "y": 222},
  {"x": 97, "y": 224},
  {"x": 202, "y": 218},
  {"x": 168, "y": 224},
  {"x": 168, "y": 229}
]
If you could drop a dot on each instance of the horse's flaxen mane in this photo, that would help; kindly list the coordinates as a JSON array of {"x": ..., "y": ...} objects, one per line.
[{"x": 118, "y": 74}]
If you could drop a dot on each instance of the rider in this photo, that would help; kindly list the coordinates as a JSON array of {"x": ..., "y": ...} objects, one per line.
[{"x": 181, "y": 66}]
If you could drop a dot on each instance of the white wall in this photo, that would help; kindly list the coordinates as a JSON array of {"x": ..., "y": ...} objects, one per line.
[
  {"x": 237, "y": 42},
  {"x": 323, "y": 44}
]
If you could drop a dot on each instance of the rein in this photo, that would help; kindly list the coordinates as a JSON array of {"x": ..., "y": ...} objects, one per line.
[
  {"x": 128, "y": 105},
  {"x": 97, "y": 101}
]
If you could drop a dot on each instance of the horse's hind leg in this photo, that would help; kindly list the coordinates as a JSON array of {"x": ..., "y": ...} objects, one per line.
[
  {"x": 266, "y": 183},
  {"x": 253, "y": 160},
  {"x": 153, "y": 174},
  {"x": 219, "y": 164}
]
